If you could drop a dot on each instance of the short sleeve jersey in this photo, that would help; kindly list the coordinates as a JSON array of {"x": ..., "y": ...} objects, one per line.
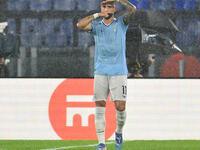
[{"x": 110, "y": 47}]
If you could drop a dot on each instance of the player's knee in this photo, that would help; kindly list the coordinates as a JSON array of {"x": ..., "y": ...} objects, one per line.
[
  {"x": 100, "y": 103},
  {"x": 120, "y": 105},
  {"x": 120, "y": 108}
]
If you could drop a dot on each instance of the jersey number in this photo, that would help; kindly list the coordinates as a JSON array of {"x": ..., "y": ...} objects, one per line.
[{"x": 124, "y": 90}]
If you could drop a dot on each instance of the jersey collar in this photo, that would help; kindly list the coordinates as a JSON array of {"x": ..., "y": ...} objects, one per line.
[{"x": 110, "y": 23}]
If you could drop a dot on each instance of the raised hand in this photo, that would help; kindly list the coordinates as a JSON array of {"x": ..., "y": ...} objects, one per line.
[{"x": 103, "y": 14}]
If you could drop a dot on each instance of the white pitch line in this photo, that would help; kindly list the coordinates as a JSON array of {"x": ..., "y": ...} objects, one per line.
[{"x": 80, "y": 146}]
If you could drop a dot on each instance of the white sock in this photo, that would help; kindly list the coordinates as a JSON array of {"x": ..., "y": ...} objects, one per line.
[
  {"x": 100, "y": 124},
  {"x": 121, "y": 118}
]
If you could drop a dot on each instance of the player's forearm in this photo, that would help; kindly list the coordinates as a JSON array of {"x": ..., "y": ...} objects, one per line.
[
  {"x": 130, "y": 7},
  {"x": 131, "y": 11},
  {"x": 85, "y": 22}
]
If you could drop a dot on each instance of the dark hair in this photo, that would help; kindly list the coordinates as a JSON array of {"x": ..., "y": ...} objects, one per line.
[{"x": 111, "y": 2}]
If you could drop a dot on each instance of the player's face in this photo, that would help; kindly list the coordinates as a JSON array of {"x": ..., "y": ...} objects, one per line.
[{"x": 108, "y": 8}]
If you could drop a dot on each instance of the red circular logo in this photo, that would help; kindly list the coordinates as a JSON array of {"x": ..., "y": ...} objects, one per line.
[
  {"x": 71, "y": 111},
  {"x": 170, "y": 67}
]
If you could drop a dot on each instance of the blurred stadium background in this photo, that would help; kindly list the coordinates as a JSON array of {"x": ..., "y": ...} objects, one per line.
[{"x": 51, "y": 45}]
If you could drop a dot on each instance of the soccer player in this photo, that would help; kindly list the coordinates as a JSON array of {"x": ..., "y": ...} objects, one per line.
[{"x": 110, "y": 74}]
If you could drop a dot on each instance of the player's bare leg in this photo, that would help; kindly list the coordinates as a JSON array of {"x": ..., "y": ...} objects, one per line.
[{"x": 121, "y": 118}]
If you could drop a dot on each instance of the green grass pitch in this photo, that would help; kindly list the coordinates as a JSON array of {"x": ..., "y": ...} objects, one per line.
[{"x": 89, "y": 145}]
